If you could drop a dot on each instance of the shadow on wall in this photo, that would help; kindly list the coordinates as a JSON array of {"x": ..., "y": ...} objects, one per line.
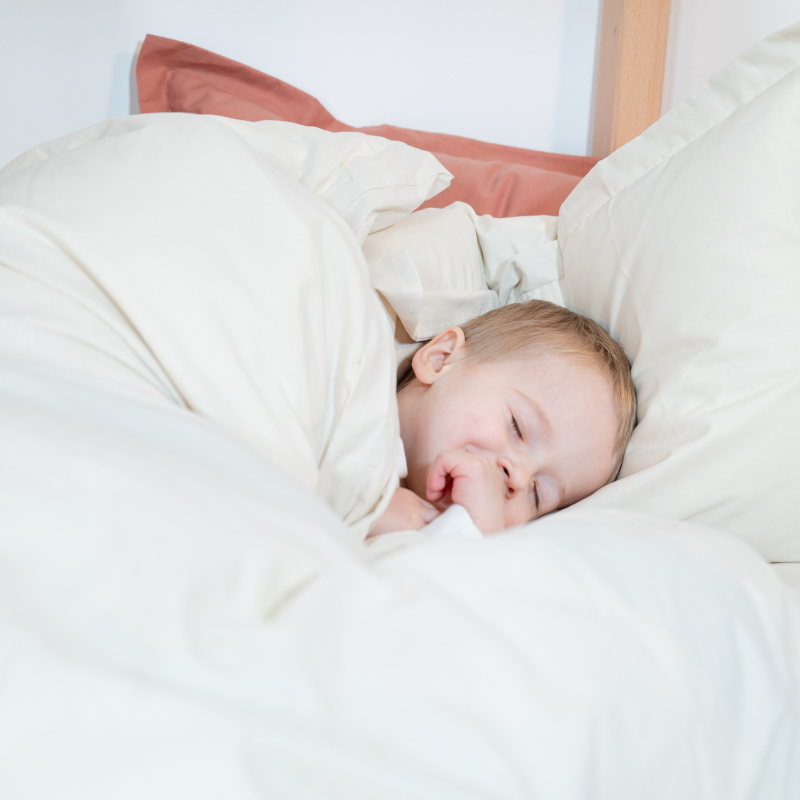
[
  {"x": 124, "y": 96},
  {"x": 668, "y": 99},
  {"x": 572, "y": 130}
]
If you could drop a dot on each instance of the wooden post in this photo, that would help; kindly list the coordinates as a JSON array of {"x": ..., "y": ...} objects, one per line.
[{"x": 630, "y": 73}]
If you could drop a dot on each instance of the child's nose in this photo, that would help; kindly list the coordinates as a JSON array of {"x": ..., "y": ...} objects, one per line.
[
  {"x": 510, "y": 473},
  {"x": 517, "y": 475}
]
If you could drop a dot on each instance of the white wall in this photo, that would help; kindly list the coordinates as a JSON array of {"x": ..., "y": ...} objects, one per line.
[
  {"x": 705, "y": 35},
  {"x": 517, "y": 72},
  {"x": 511, "y": 71}
]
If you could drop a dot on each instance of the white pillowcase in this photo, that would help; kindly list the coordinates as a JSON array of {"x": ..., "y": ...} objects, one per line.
[{"x": 685, "y": 244}]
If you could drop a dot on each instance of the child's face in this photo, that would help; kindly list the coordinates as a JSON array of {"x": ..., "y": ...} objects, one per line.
[{"x": 547, "y": 423}]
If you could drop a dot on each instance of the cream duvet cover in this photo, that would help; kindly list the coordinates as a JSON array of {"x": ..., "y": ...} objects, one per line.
[
  {"x": 180, "y": 618},
  {"x": 197, "y": 423},
  {"x": 215, "y": 265}
]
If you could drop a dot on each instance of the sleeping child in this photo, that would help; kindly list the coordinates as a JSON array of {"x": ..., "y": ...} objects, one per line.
[
  {"x": 519, "y": 412},
  {"x": 254, "y": 309}
]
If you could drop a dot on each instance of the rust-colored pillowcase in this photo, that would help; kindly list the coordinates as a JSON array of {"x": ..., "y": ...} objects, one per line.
[{"x": 493, "y": 179}]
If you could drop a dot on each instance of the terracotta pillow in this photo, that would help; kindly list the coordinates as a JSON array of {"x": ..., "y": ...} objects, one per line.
[{"x": 493, "y": 179}]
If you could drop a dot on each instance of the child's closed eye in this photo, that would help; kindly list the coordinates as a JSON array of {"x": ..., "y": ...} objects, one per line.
[{"x": 515, "y": 426}]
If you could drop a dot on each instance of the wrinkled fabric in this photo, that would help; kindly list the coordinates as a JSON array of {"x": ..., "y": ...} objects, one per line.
[
  {"x": 178, "y": 617},
  {"x": 215, "y": 265}
]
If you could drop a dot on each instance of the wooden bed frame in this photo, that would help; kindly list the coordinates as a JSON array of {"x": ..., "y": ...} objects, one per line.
[{"x": 630, "y": 71}]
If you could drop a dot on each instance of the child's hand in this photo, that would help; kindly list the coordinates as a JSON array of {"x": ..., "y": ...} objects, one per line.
[
  {"x": 473, "y": 481},
  {"x": 406, "y": 512}
]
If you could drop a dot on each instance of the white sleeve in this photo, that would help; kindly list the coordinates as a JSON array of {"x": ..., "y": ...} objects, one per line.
[{"x": 454, "y": 523}]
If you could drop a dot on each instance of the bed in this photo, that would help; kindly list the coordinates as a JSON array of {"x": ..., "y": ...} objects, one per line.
[{"x": 197, "y": 391}]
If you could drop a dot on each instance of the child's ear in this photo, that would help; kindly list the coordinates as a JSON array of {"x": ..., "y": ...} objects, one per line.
[{"x": 433, "y": 359}]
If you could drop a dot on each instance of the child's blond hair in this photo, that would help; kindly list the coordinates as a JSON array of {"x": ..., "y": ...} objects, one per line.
[{"x": 541, "y": 328}]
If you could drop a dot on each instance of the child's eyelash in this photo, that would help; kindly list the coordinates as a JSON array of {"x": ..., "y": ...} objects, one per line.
[{"x": 518, "y": 431}]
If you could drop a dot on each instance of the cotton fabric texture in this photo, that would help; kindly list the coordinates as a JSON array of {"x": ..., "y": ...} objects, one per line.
[{"x": 180, "y": 617}]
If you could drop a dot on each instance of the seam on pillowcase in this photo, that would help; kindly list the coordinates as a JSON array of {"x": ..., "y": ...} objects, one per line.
[
  {"x": 388, "y": 186},
  {"x": 644, "y": 139}
]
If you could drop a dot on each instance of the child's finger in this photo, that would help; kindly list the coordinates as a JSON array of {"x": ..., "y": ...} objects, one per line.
[{"x": 436, "y": 485}]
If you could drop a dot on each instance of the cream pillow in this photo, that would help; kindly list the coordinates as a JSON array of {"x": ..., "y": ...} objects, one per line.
[{"x": 685, "y": 244}]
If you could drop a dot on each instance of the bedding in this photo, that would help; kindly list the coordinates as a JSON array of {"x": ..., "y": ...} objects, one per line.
[
  {"x": 186, "y": 604},
  {"x": 215, "y": 264},
  {"x": 442, "y": 267},
  {"x": 181, "y": 618},
  {"x": 494, "y": 179},
  {"x": 684, "y": 244}
]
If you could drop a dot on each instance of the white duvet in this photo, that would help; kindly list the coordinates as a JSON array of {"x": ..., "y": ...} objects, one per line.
[
  {"x": 215, "y": 264},
  {"x": 185, "y": 613},
  {"x": 180, "y": 619}
]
